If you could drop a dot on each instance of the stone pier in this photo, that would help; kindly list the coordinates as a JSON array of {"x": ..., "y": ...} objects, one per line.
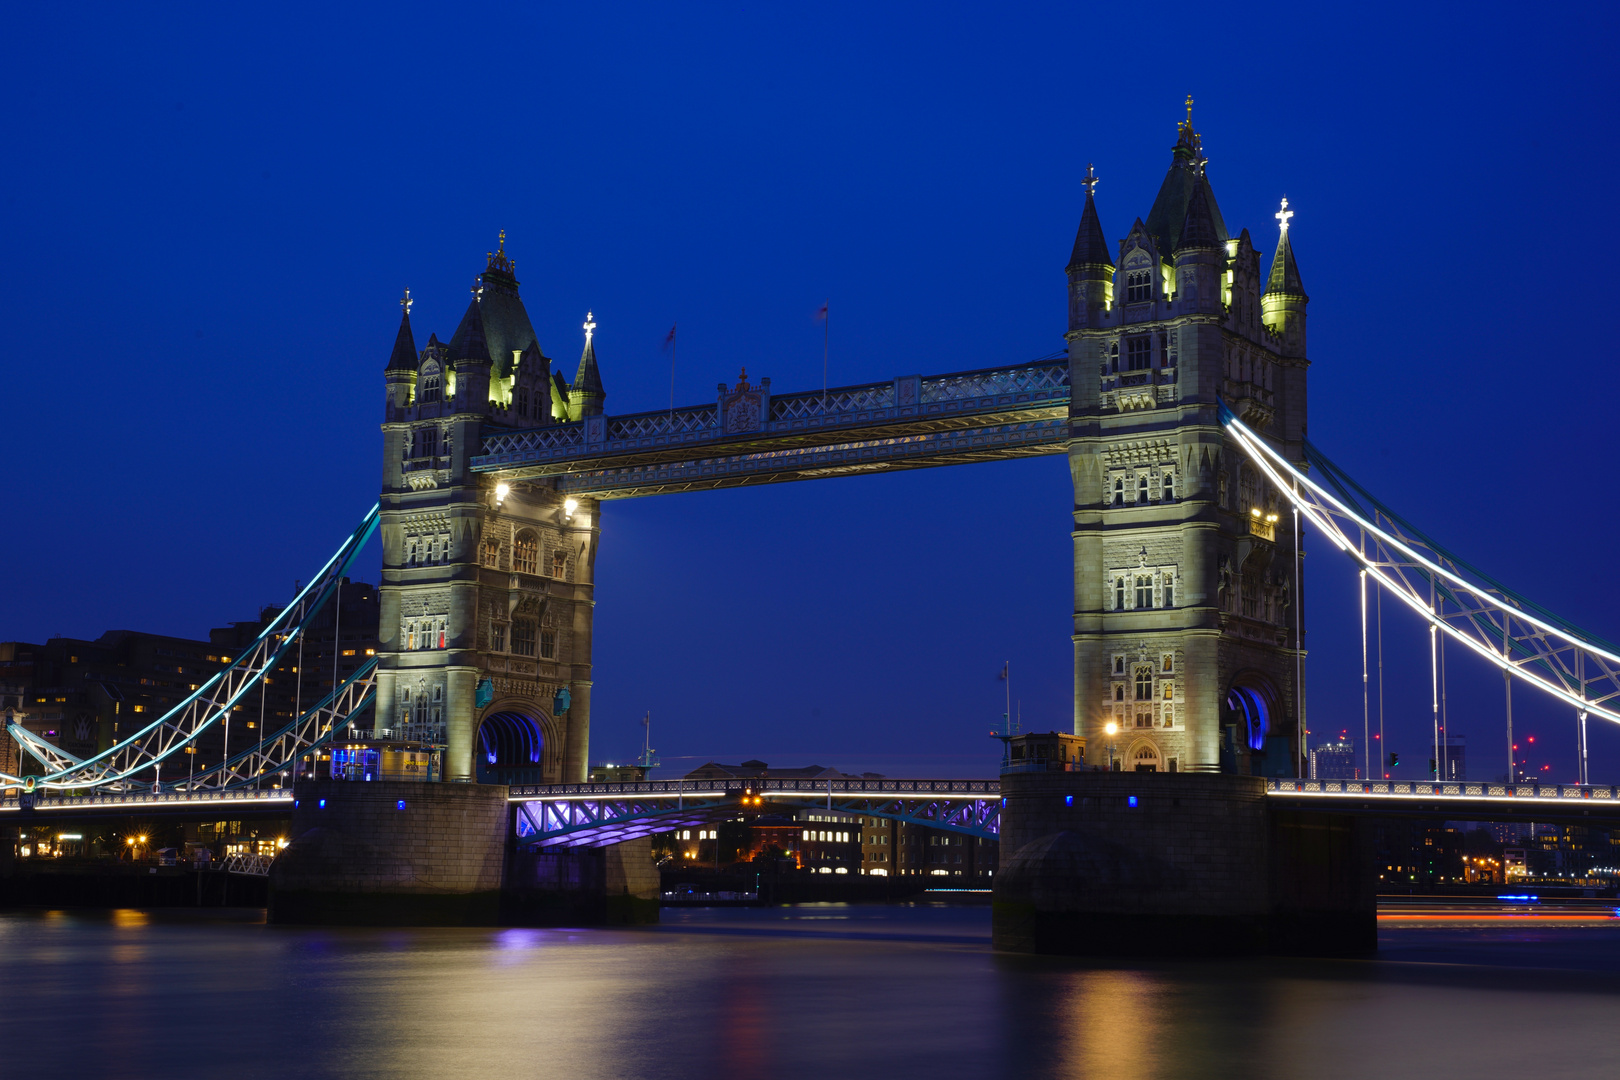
[
  {"x": 405, "y": 853},
  {"x": 1177, "y": 864}
]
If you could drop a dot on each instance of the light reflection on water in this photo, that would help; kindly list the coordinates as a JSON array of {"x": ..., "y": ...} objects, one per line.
[{"x": 818, "y": 991}]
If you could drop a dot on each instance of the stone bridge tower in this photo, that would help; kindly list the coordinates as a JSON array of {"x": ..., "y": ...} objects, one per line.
[
  {"x": 486, "y": 589},
  {"x": 1185, "y": 596}
]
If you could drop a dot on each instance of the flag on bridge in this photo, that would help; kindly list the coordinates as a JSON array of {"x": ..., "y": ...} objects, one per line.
[{"x": 669, "y": 338}]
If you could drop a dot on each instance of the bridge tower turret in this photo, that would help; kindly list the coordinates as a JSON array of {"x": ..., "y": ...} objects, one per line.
[
  {"x": 1184, "y": 560},
  {"x": 1090, "y": 269},
  {"x": 486, "y": 590}
]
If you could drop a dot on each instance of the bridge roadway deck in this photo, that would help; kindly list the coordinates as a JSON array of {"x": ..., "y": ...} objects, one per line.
[{"x": 956, "y": 805}]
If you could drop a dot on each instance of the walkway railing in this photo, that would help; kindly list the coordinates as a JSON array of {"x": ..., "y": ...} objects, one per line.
[{"x": 1460, "y": 790}]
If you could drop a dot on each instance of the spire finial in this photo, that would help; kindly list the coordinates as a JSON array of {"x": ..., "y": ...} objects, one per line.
[
  {"x": 590, "y": 327},
  {"x": 1284, "y": 214},
  {"x": 406, "y": 303},
  {"x": 1189, "y": 110},
  {"x": 498, "y": 260},
  {"x": 478, "y": 289},
  {"x": 1091, "y": 181}
]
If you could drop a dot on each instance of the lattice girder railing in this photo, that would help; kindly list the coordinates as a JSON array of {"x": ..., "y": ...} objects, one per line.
[
  {"x": 281, "y": 749},
  {"x": 1496, "y": 624},
  {"x": 595, "y": 814},
  {"x": 213, "y": 701}
]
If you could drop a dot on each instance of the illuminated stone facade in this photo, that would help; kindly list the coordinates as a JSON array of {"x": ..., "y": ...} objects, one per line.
[
  {"x": 1184, "y": 559},
  {"x": 486, "y": 593}
]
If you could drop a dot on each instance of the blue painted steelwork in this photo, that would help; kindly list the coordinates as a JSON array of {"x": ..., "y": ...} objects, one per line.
[
  {"x": 116, "y": 767},
  {"x": 595, "y": 815},
  {"x": 908, "y": 422}
]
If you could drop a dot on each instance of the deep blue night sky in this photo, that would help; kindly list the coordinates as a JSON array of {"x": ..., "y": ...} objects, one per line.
[{"x": 208, "y": 216}]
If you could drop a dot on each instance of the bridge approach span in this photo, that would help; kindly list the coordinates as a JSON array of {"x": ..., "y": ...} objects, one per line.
[{"x": 594, "y": 815}]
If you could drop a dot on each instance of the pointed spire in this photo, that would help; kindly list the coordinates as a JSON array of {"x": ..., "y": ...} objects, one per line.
[
  {"x": 1284, "y": 277},
  {"x": 586, "y": 394},
  {"x": 1198, "y": 225},
  {"x": 469, "y": 341},
  {"x": 1090, "y": 245},
  {"x": 404, "y": 357}
]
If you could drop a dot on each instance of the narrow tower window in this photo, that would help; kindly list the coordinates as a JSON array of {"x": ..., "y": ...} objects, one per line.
[
  {"x": 1144, "y": 682},
  {"x": 526, "y": 553},
  {"x": 1119, "y": 594},
  {"x": 1169, "y": 591},
  {"x": 1144, "y": 590}
]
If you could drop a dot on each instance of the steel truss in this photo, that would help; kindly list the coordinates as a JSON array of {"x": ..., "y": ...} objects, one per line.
[
  {"x": 595, "y": 815},
  {"x": 1516, "y": 635},
  {"x": 115, "y": 768}
]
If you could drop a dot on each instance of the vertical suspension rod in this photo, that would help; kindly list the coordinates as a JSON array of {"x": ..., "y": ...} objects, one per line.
[{"x": 1366, "y": 716}]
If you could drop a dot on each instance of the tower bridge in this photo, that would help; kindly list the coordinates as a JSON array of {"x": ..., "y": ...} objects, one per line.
[{"x": 1180, "y": 401}]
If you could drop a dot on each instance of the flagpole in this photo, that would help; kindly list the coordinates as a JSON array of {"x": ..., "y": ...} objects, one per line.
[
  {"x": 1006, "y": 666},
  {"x": 672, "y": 344},
  {"x": 826, "y": 340}
]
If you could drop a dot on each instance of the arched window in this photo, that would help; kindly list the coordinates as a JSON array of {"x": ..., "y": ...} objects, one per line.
[
  {"x": 523, "y": 401},
  {"x": 491, "y": 552},
  {"x": 1169, "y": 591},
  {"x": 1144, "y": 682},
  {"x": 523, "y": 637},
  {"x": 1119, "y": 594},
  {"x": 1144, "y": 590},
  {"x": 1119, "y": 491},
  {"x": 1169, "y": 487},
  {"x": 1119, "y": 691},
  {"x": 559, "y": 564},
  {"x": 421, "y": 704},
  {"x": 1119, "y": 665},
  {"x": 1169, "y": 664},
  {"x": 1113, "y": 356},
  {"x": 526, "y": 553},
  {"x": 428, "y": 386},
  {"x": 1142, "y": 489}
]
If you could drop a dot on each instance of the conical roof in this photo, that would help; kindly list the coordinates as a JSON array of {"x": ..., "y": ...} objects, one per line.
[
  {"x": 1185, "y": 177},
  {"x": 1284, "y": 276},
  {"x": 1090, "y": 246},
  {"x": 588, "y": 380},
  {"x": 469, "y": 341},
  {"x": 403, "y": 358},
  {"x": 1198, "y": 229},
  {"x": 499, "y": 312}
]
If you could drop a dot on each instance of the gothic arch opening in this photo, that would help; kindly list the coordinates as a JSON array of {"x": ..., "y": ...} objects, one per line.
[
  {"x": 1144, "y": 757},
  {"x": 1251, "y": 705},
  {"x": 510, "y": 748}
]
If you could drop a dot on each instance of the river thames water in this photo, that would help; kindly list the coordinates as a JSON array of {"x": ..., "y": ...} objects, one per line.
[{"x": 825, "y": 991}]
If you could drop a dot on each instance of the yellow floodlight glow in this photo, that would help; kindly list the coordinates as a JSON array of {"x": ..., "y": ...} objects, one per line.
[
  {"x": 502, "y": 490},
  {"x": 1111, "y": 727},
  {"x": 569, "y": 506}
]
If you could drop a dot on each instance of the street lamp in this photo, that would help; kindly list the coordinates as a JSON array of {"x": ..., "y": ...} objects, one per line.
[{"x": 1112, "y": 729}]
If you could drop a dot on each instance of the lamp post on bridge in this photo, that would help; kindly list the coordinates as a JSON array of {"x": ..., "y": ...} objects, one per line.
[{"x": 1112, "y": 729}]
